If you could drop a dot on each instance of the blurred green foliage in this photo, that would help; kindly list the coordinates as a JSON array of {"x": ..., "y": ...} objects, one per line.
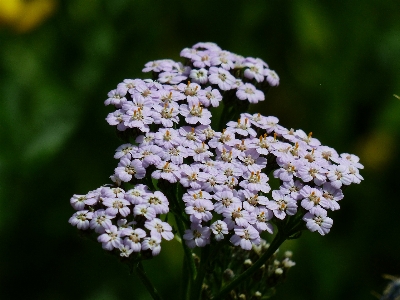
[{"x": 339, "y": 66}]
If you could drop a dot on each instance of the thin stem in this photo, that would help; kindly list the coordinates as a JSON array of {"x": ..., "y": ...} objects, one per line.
[
  {"x": 278, "y": 240},
  {"x": 187, "y": 251},
  {"x": 185, "y": 280},
  {"x": 195, "y": 292},
  {"x": 146, "y": 281}
]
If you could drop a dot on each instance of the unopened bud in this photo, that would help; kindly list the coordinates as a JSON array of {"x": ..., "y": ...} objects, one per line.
[
  {"x": 287, "y": 263},
  {"x": 278, "y": 271},
  {"x": 248, "y": 262},
  {"x": 288, "y": 254},
  {"x": 228, "y": 275},
  {"x": 265, "y": 246}
]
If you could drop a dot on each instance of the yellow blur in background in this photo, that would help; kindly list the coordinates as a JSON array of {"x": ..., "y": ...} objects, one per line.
[{"x": 23, "y": 15}]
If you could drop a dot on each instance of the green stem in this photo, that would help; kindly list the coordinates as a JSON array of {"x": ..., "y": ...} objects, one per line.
[
  {"x": 195, "y": 292},
  {"x": 146, "y": 281},
  {"x": 185, "y": 280},
  {"x": 187, "y": 251},
  {"x": 278, "y": 240}
]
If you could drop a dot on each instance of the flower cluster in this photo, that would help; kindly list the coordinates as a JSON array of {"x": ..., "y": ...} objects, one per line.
[{"x": 216, "y": 181}]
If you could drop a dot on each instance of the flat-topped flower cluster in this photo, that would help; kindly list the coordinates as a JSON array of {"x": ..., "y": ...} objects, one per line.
[{"x": 223, "y": 175}]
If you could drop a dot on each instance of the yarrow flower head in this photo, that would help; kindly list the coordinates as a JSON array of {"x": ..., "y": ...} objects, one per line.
[{"x": 213, "y": 180}]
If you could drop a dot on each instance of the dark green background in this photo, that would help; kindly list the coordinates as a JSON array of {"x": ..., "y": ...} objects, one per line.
[{"x": 339, "y": 66}]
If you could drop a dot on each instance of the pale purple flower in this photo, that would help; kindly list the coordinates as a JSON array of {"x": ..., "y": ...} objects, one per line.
[
  {"x": 146, "y": 92},
  {"x": 224, "y": 199},
  {"x": 227, "y": 154},
  {"x": 191, "y": 176},
  {"x": 199, "y": 76},
  {"x": 251, "y": 200},
  {"x": 158, "y": 201},
  {"x": 221, "y": 77},
  {"x": 288, "y": 168},
  {"x": 227, "y": 137},
  {"x": 190, "y": 90},
  {"x": 249, "y": 92},
  {"x": 195, "y": 113},
  {"x": 263, "y": 215},
  {"x": 199, "y": 152},
  {"x": 125, "y": 249},
  {"x": 242, "y": 127},
  {"x": 312, "y": 171},
  {"x": 224, "y": 59},
  {"x": 166, "y": 115},
  {"x": 159, "y": 229},
  {"x": 213, "y": 180},
  {"x": 292, "y": 188},
  {"x": 200, "y": 210},
  {"x": 197, "y": 236},
  {"x": 133, "y": 238},
  {"x": 128, "y": 85},
  {"x": 312, "y": 198},
  {"x": 270, "y": 124},
  {"x": 175, "y": 154},
  {"x": 171, "y": 77},
  {"x": 272, "y": 77},
  {"x": 235, "y": 214},
  {"x": 117, "y": 118},
  {"x": 189, "y": 135},
  {"x": 115, "y": 97},
  {"x": 193, "y": 195},
  {"x": 117, "y": 205},
  {"x": 80, "y": 219},
  {"x": 167, "y": 171},
  {"x": 78, "y": 201},
  {"x": 207, "y": 45},
  {"x": 125, "y": 150},
  {"x": 137, "y": 194},
  {"x": 255, "y": 181},
  {"x": 100, "y": 220},
  {"x": 349, "y": 160},
  {"x": 167, "y": 138},
  {"x": 210, "y": 96},
  {"x": 188, "y": 52},
  {"x": 201, "y": 59},
  {"x": 286, "y": 205},
  {"x": 147, "y": 139},
  {"x": 355, "y": 175},
  {"x": 111, "y": 238},
  {"x": 137, "y": 103},
  {"x": 339, "y": 175},
  {"x": 317, "y": 220},
  {"x": 245, "y": 237},
  {"x": 219, "y": 228},
  {"x": 231, "y": 169},
  {"x": 144, "y": 210},
  {"x": 328, "y": 153},
  {"x": 170, "y": 96},
  {"x": 127, "y": 169},
  {"x": 148, "y": 155},
  {"x": 138, "y": 118},
  {"x": 158, "y": 65},
  {"x": 153, "y": 244},
  {"x": 255, "y": 71},
  {"x": 313, "y": 142},
  {"x": 332, "y": 195},
  {"x": 204, "y": 132}
]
